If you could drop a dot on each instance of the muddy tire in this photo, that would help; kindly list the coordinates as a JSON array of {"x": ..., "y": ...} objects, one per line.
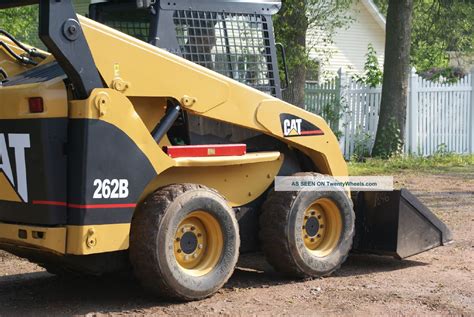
[
  {"x": 307, "y": 233},
  {"x": 184, "y": 242}
]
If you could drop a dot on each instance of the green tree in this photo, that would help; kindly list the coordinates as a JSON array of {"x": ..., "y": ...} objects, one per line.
[
  {"x": 21, "y": 22},
  {"x": 373, "y": 75},
  {"x": 391, "y": 125},
  {"x": 439, "y": 26},
  {"x": 291, "y": 26}
]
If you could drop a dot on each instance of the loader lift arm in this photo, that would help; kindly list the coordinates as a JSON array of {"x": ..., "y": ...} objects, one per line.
[{"x": 62, "y": 34}]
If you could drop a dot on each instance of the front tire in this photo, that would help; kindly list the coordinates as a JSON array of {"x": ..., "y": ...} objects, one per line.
[
  {"x": 307, "y": 233},
  {"x": 184, "y": 242}
]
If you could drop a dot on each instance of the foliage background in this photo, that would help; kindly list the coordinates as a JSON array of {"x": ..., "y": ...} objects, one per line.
[
  {"x": 291, "y": 25},
  {"x": 439, "y": 26},
  {"x": 22, "y": 23}
]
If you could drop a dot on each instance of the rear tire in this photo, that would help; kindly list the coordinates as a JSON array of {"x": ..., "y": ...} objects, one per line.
[
  {"x": 184, "y": 242},
  {"x": 307, "y": 233}
]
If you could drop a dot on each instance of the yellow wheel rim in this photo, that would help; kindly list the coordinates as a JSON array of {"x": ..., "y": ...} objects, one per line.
[
  {"x": 198, "y": 243},
  {"x": 322, "y": 227}
]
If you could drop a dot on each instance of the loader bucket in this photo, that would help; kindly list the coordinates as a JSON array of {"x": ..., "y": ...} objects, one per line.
[{"x": 396, "y": 223}]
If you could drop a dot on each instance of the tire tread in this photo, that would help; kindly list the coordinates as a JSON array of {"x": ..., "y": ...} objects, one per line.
[{"x": 274, "y": 233}]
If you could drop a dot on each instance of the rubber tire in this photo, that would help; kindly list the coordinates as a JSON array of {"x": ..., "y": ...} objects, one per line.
[
  {"x": 152, "y": 233},
  {"x": 280, "y": 232}
]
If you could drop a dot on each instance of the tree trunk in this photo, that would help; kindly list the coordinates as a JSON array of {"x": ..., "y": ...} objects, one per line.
[
  {"x": 391, "y": 127},
  {"x": 291, "y": 26},
  {"x": 295, "y": 92}
]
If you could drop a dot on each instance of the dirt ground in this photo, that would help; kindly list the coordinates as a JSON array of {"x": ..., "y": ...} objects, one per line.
[{"x": 439, "y": 281}]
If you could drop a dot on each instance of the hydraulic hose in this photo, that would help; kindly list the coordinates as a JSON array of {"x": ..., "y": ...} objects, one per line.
[
  {"x": 32, "y": 52},
  {"x": 19, "y": 58}
]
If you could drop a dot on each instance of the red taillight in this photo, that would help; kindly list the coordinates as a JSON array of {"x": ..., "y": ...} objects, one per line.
[{"x": 36, "y": 104}]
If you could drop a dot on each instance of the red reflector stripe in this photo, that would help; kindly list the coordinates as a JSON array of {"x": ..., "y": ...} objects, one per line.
[
  {"x": 206, "y": 150},
  {"x": 312, "y": 132},
  {"x": 51, "y": 203},
  {"x": 77, "y": 206}
]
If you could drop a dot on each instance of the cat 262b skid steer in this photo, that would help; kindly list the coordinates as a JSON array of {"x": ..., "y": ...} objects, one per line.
[{"x": 157, "y": 151}]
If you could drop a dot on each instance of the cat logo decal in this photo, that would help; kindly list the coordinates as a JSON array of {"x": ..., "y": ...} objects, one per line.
[
  {"x": 293, "y": 126},
  {"x": 11, "y": 188}
]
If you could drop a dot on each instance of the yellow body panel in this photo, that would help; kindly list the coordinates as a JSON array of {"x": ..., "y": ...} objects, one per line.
[
  {"x": 202, "y": 91},
  {"x": 45, "y": 238},
  {"x": 119, "y": 111},
  {"x": 322, "y": 149},
  {"x": 238, "y": 183},
  {"x": 149, "y": 71},
  {"x": 76, "y": 240},
  {"x": 14, "y": 100},
  {"x": 115, "y": 108},
  {"x": 83, "y": 240},
  {"x": 6, "y": 190},
  {"x": 150, "y": 110},
  {"x": 228, "y": 160}
]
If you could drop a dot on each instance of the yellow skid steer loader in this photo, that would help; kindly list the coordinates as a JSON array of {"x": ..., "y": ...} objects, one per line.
[{"x": 157, "y": 150}]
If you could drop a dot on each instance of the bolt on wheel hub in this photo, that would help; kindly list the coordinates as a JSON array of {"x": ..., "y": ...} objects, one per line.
[
  {"x": 198, "y": 243},
  {"x": 188, "y": 242},
  {"x": 322, "y": 227},
  {"x": 312, "y": 226}
]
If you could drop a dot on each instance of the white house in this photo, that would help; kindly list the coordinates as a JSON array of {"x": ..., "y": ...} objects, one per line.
[{"x": 349, "y": 46}]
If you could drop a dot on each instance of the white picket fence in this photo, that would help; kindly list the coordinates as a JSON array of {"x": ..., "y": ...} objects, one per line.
[{"x": 440, "y": 116}]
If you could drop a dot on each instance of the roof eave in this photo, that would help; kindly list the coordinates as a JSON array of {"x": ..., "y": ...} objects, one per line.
[{"x": 374, "y": 11}]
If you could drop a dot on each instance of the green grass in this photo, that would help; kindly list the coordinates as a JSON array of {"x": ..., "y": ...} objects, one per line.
[{"x": 431, "y": 164}]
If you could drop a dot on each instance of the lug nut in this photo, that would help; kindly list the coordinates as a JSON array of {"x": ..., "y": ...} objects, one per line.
[
  {"x": 319, "y": 236},
  {"x": 178, "y": 239},
  {"x": 199, "y": 235},
  {"x": 313, "y": 213},
  {"x": 200, "y": 246},
  {"x": 192, "y": 228},
  {"x": 179, "y": 250}
]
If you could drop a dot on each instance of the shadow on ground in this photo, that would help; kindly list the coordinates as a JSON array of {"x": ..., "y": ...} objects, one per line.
[{"x": 41, "y": 292}]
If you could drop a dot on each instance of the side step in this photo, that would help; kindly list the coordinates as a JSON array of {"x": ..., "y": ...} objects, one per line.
[{"x": 397, "y": 224}]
